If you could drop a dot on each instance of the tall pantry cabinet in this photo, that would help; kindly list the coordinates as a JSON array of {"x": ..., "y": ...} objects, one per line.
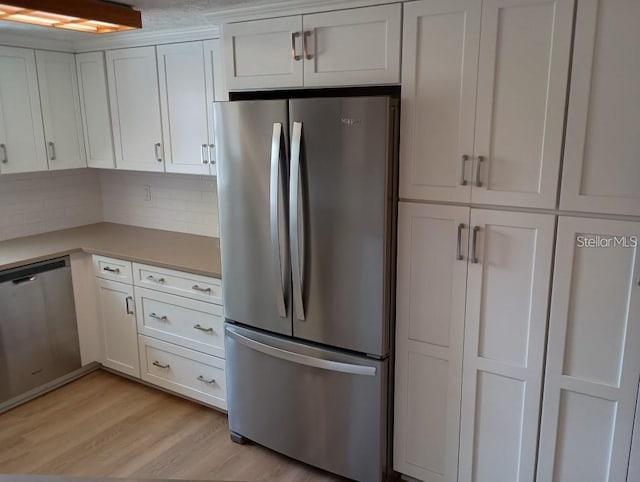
[{"x": 483, "y": 118}]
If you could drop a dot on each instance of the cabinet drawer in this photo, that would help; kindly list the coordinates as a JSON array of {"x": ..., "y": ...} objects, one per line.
[
  {"x": 190, "y": 323},
  {"x": 184, "y": 371},
  {"x": 112, "y": 269},
  {"x": 178, "y": 283}
]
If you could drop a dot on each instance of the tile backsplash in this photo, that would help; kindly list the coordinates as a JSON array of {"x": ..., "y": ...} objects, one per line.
[
  {"x": 48, "y": 201},
  {"x": 174, "y": 202}
]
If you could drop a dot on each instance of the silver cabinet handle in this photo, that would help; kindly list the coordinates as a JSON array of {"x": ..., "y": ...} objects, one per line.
[
  {"x": 294, "y": 36},
  {"x": 160, "y": 365},
  {"x": 3, "y": 149},
  {"x": 212, "y": 154},
  {"x": 111, "y": 270},
  {"x": 156, "y": 151},
  {"x": 274, "y": 215},
  {"x": 158, "y": 317},
  {"x": 204, "y": 153},
  {"x": 211, "y": 381},
  {"x": 126, "y": 301},
  {"x": 478, "y": 164},
  {"x": 463, "y": 163},
  {"x": 294, "y": 240},
  {"x": 155, "y": 280},
  {"x": 52, "y": 151},
  {"x": 202, "y": 290},
  {"x": 306, "y": 35},
  {"x": 459, "y": 256},
  {"x": 474, "y": 242},
  {"x": 202, "y": 328}
]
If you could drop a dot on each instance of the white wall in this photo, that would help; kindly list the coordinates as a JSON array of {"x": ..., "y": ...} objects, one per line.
[
  {"x": 48, "y": 201},
  {"x": 179, "y": 202}
]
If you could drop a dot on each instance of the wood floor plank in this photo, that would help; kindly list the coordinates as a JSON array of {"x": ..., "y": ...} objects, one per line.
[{"x": 106, "y": 426}]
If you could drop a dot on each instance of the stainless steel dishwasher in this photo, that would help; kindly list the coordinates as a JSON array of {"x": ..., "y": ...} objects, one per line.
[{"x": 38, "y": 329}]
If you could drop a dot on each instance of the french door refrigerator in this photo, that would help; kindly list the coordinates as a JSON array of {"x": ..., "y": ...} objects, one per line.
[{"x": 307, "y": 205}]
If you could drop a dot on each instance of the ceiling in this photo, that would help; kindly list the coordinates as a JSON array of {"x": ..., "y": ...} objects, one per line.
[{"x": 156, "y": 15}]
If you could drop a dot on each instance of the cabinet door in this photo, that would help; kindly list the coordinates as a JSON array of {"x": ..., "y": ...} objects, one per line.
[
  {"x": 432, "y": 273},
  {"x": 184, "y": 99},
  {"x": 94, "y": 102},
  {"x": 117, "y": 315},
  {"x": 135, "y": 108},
  {"x": 439, "y": 72},
  {"x": 351, "y": 47},
  {"x": 593, "y": 361},
  {"x": 263, "y": 53},
  {"x": 21, "y": 133},
  {"x": 522, "y": 84},
  {"x": 505, "y": 328},
  {"x": 601, "y": 168},
  {"x": 216, "y": 91},
  {"x": 60, "y": 99}
]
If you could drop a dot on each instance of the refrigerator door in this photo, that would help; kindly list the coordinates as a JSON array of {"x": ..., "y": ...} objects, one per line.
[
  {"x": 319, "y": 406},
  {"x": 341, "y": 202},
  {"x": 251, "y": 149}
]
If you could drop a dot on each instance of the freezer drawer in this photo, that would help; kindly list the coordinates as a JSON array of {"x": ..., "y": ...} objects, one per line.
[{"x": 322, "y": 407}]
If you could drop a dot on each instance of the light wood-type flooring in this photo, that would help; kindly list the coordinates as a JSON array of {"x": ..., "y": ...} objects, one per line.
[{"x": 106, "y": 426}]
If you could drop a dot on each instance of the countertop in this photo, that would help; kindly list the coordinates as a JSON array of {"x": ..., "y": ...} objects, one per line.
[{"x": 184, "y": 252}]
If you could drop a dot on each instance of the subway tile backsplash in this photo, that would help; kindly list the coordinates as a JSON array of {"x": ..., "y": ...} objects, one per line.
[
  {"x": 48, "y": 201},
  {"x": 173, "y": 202}
]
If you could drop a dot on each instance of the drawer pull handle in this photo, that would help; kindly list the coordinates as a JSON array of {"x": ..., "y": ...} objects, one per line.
[
  {"x": 155, "y": 280},
  {"x": 111, "y": 270},
  {"x": 160, "y": 365},
  {"x": 203, "y": 379},
  {"x": 158, "y": 317},
  {"x": 203, "y": 290},
  {"x": 201, "y": 328}
]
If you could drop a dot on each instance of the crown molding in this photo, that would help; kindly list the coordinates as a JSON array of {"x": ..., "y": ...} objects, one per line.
[
  {"x": 141, "y": 38},
  {"x": 31, "y": 42},
  {"x": 282, "y": 8}
]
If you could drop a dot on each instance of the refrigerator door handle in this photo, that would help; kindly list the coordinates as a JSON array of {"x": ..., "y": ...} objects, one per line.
[
  {"x": 275, "y": 218},
  {"x": 301, "y": 359},
  {"x": 294, "y": 241}
]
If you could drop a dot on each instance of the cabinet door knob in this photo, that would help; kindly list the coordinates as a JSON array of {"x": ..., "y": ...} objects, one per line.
[
  {"x": 459, "y": 256},
  {"x": 212, "y": 154},
  {"x": 306, "y": 35},
  {"x": 157, "y": 151},
  {"x": 127, "y": 300},
  {"x": 478, "y": 165},
  {"x": 3, "y": 151},
  {"x": 204, "y": 154},
  {"x": 294, "y": 36},
  {"x": 52, "y": 151},
  {"x": 463, "y": 162},
  {"x": 474, "y": 242}
]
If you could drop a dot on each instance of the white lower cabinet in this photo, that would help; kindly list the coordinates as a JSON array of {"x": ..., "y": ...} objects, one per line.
[
  {"x": 184, "y": 371},
  {"x": 163, "y": 326},
  {"x": 481, "y": 277},
  {"x": 118, "y": 318},
  {"x": 593, "y": 360}
]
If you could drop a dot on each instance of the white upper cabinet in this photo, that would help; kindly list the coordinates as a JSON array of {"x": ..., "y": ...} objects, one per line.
[
  {"x": 186, "y": 90},
  {"x": 263, "y": 53},
  {"x": 22, "y": 147},
  {"x": 483, "y": 114},
  {"x": 351, "y": 47},
  {"x": 601, "y": 161},
  {"x": 431, "y": 287},
  {"x": 94, "y": 102},
  {"x": 439, "y": 72},
  {"x": 58, "y": 82},
  {"x": 135, "y": 108},
  {"x": 593, "y": 360},
  {"x": 506, "y": 314},
  {"x": 522, "y": 85}
]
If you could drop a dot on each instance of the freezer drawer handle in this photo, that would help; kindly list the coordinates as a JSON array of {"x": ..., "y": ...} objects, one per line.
[
  {"x": 160, "y": 365},
  {"x": 210, "y": 381},
  {"x": 274, "y": 217},
  {"x": 304, "y": 359}
]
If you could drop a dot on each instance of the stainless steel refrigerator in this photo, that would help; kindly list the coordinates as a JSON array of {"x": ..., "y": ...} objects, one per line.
[{"x": 307, "y": 203}]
